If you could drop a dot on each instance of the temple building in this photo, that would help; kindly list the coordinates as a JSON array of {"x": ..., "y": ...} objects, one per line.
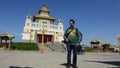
[{"x": 42, "y": 24}]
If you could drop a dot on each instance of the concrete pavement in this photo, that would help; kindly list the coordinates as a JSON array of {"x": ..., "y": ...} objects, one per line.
[{"x": 34, "y": 59}]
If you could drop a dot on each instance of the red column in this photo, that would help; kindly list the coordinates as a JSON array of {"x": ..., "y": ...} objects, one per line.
[
  {"x": 5, "y": 44},
  {"x": 0, "y": 42},
  {"x": 37, "y": 39},
  {"x": 48, "y": 38},
  {"x": 45, "y": 38},
  {"x": 51, "y": 38},
  {"x": 40, "y": 38}
]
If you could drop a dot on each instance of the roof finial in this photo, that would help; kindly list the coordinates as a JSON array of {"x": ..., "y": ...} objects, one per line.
[{"x": 44, "y": 4}]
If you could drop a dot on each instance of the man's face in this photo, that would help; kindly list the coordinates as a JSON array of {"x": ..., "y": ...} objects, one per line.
[{"x": 71, "y": 23}]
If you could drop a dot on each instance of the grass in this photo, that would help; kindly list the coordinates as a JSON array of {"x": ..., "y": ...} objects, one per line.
[
  {"x": 88, "y": 49},
  {"x": 24, "y": 46}
]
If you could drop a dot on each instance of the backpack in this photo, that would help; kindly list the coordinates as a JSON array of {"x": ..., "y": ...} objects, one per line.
[{"x": 80, "y": 35}]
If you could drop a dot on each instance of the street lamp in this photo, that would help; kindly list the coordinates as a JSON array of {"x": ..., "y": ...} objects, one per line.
[
  {"x": 42, "y": 46},
  {"x": 118, "y": 38}
]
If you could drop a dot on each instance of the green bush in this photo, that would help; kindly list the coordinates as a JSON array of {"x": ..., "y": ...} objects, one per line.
[
  {"x": 24, "y": 46},
  {"x": 88, "y": 49}
]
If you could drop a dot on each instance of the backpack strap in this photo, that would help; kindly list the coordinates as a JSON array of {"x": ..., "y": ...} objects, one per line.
[{"x": 68, "y": 33}]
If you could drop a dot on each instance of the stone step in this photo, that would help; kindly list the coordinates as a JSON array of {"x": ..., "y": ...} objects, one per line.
[
  {"x": 1, "y": 48},
  {"x": 51, "y": 47}
]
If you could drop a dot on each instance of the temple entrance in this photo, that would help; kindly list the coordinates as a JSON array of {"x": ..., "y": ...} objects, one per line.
[{"x": 47, "y": 38}]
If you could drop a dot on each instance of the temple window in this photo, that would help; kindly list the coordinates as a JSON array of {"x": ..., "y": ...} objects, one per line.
[
  {"x": 56, "y": 32},
  {"x": 28, "y": 24},
  {"x": 60, "y": 27},
  {"x": 44, "y": 22},
  {"x": 27, "y": 30}
]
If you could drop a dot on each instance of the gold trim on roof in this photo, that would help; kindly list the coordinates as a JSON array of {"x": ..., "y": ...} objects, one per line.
[{"x": 44, "y": 17}]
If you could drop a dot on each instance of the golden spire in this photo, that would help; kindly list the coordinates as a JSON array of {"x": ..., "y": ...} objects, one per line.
[
  {"x": 44, "y": 4},
  {"x": 44, "y": 9}
]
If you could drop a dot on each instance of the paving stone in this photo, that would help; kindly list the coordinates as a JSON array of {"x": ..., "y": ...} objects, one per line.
[{"x": 34, "y": 59}]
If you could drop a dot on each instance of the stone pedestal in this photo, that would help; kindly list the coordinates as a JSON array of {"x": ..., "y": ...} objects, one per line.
[{"x": 118, "y": 38}]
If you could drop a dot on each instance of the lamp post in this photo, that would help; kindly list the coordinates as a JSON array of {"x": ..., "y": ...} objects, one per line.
[
  {"x": 118, "y": 38},
  {"x": 9, "y": 43},
  {"x": 5, "y": 43},
  {"x": 42, "y": 46}
]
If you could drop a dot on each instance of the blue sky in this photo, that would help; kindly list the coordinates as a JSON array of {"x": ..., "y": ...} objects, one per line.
[{"x": 98, "y": 19}]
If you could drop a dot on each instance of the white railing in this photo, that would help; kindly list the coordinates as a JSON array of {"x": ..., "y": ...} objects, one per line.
[{"x": 49, "y": 27}]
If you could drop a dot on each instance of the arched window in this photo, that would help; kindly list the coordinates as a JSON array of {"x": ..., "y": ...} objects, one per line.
[{"x": 28, "y": 24}]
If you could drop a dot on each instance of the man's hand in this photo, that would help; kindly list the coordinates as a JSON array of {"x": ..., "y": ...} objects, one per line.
[
  {"x": 77, "y": 45},
  {"x": 66, "y": 40}
]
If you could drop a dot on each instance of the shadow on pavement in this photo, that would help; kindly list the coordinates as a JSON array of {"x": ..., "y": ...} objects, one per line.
[
  {"x": 18, "y": 67},
  {"x": 116, "y": 63},
  {"x": 65, "y": 64}
]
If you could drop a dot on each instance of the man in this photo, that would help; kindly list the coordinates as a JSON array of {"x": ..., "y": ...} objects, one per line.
[
  {"x": 72, "y": 38},
  {"x": 83, "y": 49}
]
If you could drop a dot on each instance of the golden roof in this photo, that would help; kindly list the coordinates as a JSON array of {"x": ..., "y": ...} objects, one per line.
[
  {"x": 44, "y": 17},
  {"x": 44, "y": 8},
  {"x": 94, "y": 40},
  {"x": 105, "y": 43},
  {"x": 111, "y": 47},
  {"x": 6, "y": 34},
  {"x": 118, "y": 37}
]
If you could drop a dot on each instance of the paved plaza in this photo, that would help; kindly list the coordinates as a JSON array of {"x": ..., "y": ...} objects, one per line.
[{"x": 34, "y": 59}]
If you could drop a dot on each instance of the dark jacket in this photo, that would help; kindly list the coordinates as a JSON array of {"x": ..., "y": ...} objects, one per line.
[{"x": 73, "y": 37}]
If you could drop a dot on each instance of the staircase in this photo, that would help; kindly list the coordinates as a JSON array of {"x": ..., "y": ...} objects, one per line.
[
  {"x": 2, "y": 48},
  {"x": 51, "y": 47},
  {"x": 46, "y": 48},
  {"x": 55, "y": 47}
]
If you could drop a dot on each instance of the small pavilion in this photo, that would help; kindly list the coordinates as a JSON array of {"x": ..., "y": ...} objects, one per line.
[
  {"x": 95, "y": 44},
  {"x": 6, "y": 37},
  {"x": 105, "y": 46}
]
